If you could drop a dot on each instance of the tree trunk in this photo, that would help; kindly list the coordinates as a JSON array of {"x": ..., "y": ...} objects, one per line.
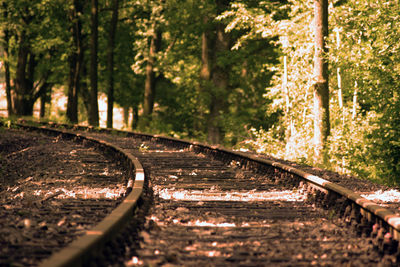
[
  {"x": 213, "y": 122},
  {"x": 72, "y": 104},
  {"x": 23, "y": 99},
  {"x": 205, "y": 53},
  {"x": 220, "y": 81},
  {"x": 214, "y": 77},
  {"x": 76, "y": 61},
  {"x": 42, "y": 112},
  {"x": 321, "y": 88},
  {"x": 354, "y": 109},
  {"x": 150, "y": 82},
  {"x": 135, "y": 117},
  {"x": 20, "y": 80},
  {"x": 126, "y": 116},
  {"x": 201, "y": 122},
  {"x": 110, "y": 63},
  {"x": 6, "y": 45},
  {"x": 7, "y": 72},
  {"x": 8, "y": 87},
  {"x": 45, "y": 96},
  {"x": 84, "y": 92},
  {"x": 93, "y": 116},
  {"x": 26, "y": 92}
]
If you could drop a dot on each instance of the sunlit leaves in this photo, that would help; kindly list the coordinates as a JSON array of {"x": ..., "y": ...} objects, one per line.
[
  {"x": 255, "y": 21},
  {"x": 296, "y": 42},
  {"x": 363, "y": 49},
  {"x": 368, "y": 56}
]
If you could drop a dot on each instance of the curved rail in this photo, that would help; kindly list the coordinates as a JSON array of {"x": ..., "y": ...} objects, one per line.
[
  {"x": 79, "y": 251},
  {"x": 370, "y": 214}
]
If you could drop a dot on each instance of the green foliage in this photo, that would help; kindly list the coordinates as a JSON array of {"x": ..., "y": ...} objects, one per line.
[
  {"x": 370, "y": 64},
  {"x": 260, "y": 110},
  {"x": 181, "y": 107},
  {"x": 128, "y": 85},
  {"x": 6, "y": 123},
  {"x": 44, "y": 24},
  {"x": 182, "y": 100},
  {"x": 261, "y": 141},
  {"x": 291, "y": 103},
  {"x": 364, "y": 114}
]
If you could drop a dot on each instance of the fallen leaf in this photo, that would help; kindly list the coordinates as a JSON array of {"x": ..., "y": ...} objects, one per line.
[
  {"x": 182, "y": 209},
  {"x": 43, "y": 225},
  {"x": 146, "y": 237},
  {"x": 62, "y": 221},
  {"x": 27, "y": 223}
]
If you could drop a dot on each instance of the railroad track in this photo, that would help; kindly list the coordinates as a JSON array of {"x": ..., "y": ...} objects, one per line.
[
  {"x": 212, "y": 207},
  {"x": 74, "y": 183}
]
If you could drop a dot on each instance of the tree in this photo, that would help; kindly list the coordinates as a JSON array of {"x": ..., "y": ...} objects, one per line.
[
  {"x": 220, "y": 81},
  {"x": 191, "y": 64},
  {"x": 6, "y": 53},
  {"x": 110, "y": 62},
  {"x": 150, "y": 83},
  {"x": 93, "y": 116},
  {"x": 321, "y": 85},
  {"x": 155, "y": 38},
  {"x": 215, "y": 42},
  {"x": 35, "y": 49},
  {"x": 128, "y": 85},
  {"x": 28, "y": 57},
  {"x": 75, "y": 60},
  {"x": 284, "y": 27},
  {"x": 24, "y": 79},
  {"x": 366, "y": 142},
  {"x": 45, "y": 97}
]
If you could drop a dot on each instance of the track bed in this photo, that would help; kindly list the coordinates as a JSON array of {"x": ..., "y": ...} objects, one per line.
[
  {"x": 192, "y": 206},
  {"x": 208, "y": 213}
]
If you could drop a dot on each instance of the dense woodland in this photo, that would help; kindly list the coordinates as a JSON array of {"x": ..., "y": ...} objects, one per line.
[{"x": 316, "y": 82}]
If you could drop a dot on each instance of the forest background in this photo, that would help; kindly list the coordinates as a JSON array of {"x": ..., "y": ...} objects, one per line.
[{"x": 236, "y": 73}]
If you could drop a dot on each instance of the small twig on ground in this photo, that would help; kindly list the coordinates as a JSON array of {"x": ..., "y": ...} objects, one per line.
[
  {"x": 18, "y": 152},
  {"x": 53, "y": 195}
]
